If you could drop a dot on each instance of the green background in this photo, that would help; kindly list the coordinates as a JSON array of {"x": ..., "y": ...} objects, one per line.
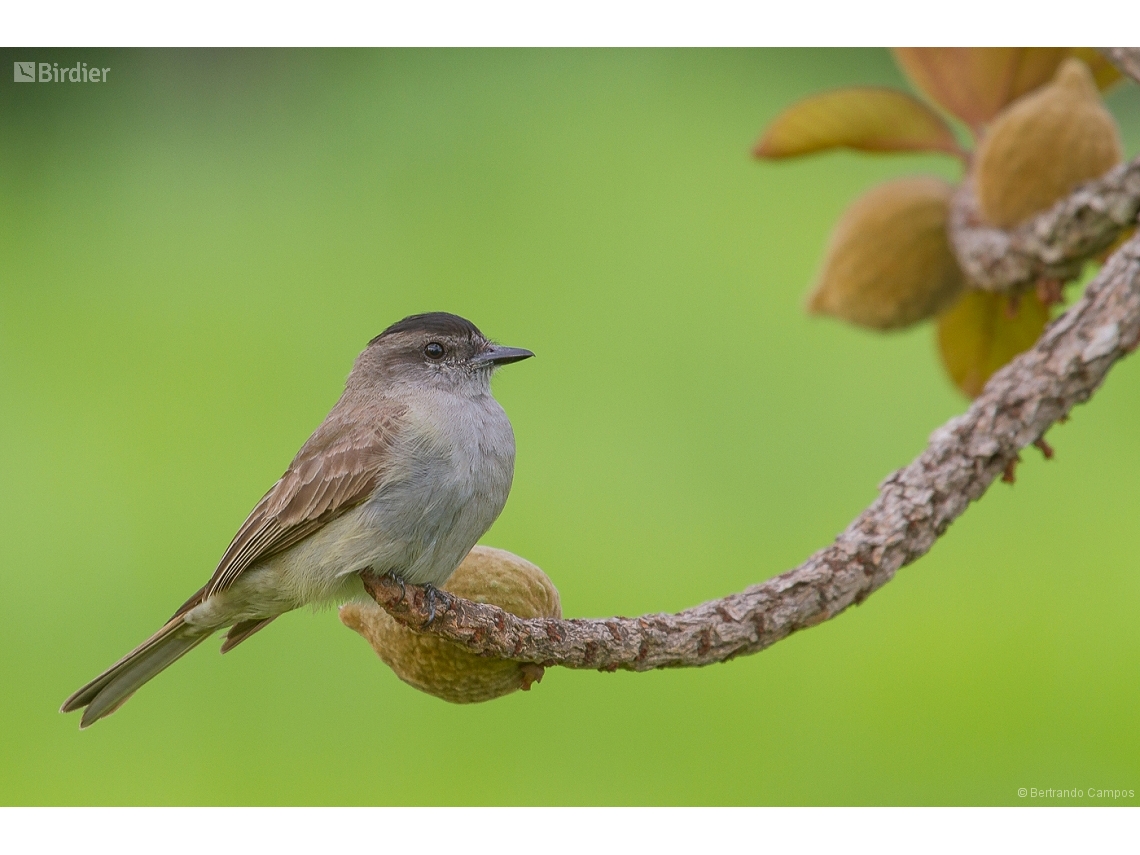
[{"x": 194, "y": 252}]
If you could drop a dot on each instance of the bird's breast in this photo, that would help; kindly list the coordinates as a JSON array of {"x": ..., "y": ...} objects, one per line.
[{"x": 460, "y": 463}]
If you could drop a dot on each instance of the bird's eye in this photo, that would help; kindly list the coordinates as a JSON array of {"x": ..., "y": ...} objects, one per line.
[{"x": 434, "y": 350}]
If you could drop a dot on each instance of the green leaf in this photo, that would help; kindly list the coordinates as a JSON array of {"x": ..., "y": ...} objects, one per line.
[
  {"x": 863, "y": 118},
  {"x": 982, "y": 332}
]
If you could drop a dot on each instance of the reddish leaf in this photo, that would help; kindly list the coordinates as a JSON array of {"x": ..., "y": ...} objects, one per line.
[
  {"x": 975, "y": 83},
  {"x": 864, "y": 118}
]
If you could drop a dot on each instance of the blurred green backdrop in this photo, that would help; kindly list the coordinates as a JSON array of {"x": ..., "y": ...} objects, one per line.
[{"x": 194, "y": 252}]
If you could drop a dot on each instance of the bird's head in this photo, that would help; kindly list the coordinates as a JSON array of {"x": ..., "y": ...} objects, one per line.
[{"x": 436, "y": 349}]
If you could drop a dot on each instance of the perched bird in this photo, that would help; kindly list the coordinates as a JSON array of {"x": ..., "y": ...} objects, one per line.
[{"x": 404, "y": 475}]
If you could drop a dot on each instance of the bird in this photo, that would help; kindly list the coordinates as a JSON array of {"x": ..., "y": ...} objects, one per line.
[{"x": 407, "y": 471}]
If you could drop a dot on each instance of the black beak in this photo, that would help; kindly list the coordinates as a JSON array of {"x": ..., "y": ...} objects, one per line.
[{"x": 497, "y": 354}]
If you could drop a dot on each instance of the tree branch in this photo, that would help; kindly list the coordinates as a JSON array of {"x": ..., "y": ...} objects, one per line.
[
  {"x": 914, "y": 507},
  {"x": 1052, "y": 245}
]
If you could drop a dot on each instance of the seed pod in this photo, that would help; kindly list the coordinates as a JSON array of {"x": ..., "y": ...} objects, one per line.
[
  {"x": 889, "y": 262},
  {"x": 443, "y": 668},
  {"x": 1043, "y": 145}
]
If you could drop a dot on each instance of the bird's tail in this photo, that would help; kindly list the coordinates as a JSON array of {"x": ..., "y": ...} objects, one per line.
[{"x": 111, "y": 689}]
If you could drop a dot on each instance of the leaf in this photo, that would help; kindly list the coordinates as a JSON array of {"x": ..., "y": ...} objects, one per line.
[
  {"x": 1105, "y": 73},
  {"x": 889, "y": 262},
  {"x": 975, "y": 83},
  {"x": 863, "y": 118},
  {"x": 982, "y": 332}
]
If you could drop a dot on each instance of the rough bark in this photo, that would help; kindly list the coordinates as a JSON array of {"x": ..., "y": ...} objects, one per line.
[
  {"x": 1055, "y": 244},
  {"x": 915, "y": 504}
]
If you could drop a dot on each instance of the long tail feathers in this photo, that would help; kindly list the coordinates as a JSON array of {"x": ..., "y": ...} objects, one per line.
[{"x": 111, "y": 689}]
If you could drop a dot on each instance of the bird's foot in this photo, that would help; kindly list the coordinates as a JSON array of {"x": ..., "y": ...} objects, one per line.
[{"x": 431, "y": 593}]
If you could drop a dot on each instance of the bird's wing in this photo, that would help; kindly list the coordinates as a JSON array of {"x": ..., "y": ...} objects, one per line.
[{"x": 337, "y": 469}]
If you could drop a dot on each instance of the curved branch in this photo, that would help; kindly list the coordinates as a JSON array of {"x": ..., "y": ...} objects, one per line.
[
  {"x": 1052, "y": 245},
  {"x": 914, "y": 507}
]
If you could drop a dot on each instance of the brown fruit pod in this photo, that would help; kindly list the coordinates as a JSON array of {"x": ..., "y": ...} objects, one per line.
[
  {"x": 443, "y": 668},
  {"x": 889, "y": 262},
  {"x": 1043, "y": 145}
]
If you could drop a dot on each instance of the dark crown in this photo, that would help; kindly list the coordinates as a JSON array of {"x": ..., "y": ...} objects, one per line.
[{"x": 433, "y": 323}]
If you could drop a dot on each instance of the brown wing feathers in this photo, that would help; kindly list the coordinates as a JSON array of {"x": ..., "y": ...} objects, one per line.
[{"x": 337, "y": 469}]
